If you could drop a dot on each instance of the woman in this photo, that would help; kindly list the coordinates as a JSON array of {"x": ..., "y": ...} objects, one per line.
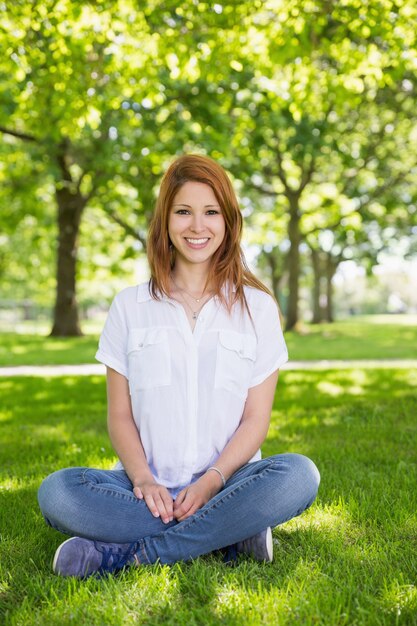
[{"x": 192, "y": 363}]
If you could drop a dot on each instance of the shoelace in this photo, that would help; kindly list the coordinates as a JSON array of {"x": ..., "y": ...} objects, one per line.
[{"x": 113, "y": 560}]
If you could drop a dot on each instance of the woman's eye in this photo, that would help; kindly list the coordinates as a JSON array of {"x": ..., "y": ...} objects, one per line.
[
  {"x": 213, "y": 212},
  {"x": 182, "y": 212}
]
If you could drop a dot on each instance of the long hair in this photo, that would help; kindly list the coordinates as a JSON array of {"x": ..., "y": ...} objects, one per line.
[{"x": 228, "y": 266}]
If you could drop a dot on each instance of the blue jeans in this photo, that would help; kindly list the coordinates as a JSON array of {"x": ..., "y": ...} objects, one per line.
[{"x": 100, "y": 505}]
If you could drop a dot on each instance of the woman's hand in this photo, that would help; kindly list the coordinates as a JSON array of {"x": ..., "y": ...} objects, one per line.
[
  {"x": 157, "y": 498},
  {"x": 196, "y": 495}
]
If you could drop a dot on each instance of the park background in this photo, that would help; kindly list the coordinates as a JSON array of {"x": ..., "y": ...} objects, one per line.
[{"x": 311, "y": 108}]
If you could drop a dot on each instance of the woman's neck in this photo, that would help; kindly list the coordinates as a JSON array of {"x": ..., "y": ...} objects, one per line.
[{"x": 194, "y": 281}]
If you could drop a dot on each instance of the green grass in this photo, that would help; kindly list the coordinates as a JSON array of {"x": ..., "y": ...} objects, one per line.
[
  {"x": 367, "y": 337},
  {"x": 372, "y": 337},
  {"x": 349, "y": 560},
  {"x": 18, "y": 349}
]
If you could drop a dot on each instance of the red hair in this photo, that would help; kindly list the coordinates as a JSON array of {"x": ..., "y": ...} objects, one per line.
[{"x": 228, "y": 265}]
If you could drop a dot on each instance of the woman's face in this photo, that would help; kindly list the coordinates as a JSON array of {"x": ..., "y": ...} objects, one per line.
[{"x": 196, "y": 225}]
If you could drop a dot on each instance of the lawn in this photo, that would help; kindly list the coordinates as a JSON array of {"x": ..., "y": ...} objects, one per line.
[
  {"x": 349, "y": 560},
  {"x": 372, "y": 337}
]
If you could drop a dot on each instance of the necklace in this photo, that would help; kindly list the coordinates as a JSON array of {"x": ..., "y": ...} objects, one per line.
[
  {"x": 183, "y": 292},
  {"x": 194, "y": 314}
]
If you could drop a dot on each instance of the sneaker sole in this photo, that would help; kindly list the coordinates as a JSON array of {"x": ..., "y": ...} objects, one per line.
[
  {"x": 269, "y": 544},
  {"x": 57, "y": 555}
]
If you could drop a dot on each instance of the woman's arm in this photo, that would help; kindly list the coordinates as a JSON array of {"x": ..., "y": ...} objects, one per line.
[
  {"x": 247, "y": 439},
  {"x": 126, "y": 441}
]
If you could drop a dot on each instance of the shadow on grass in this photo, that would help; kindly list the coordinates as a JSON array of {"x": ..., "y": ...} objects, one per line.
[{"x": 358, "y": 426}]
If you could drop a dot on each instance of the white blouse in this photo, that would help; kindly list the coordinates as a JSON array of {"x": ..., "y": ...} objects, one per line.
[{"x": 188, "y": 388}]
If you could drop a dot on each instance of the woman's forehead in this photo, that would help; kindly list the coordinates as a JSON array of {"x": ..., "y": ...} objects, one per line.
[{"x": 193, "y": 191}]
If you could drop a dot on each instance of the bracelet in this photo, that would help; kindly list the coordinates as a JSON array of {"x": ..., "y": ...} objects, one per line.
[{"x": 216, "y": 469}]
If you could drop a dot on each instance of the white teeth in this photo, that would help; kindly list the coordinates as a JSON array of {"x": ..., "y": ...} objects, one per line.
[{"x": 197, "y": 242}]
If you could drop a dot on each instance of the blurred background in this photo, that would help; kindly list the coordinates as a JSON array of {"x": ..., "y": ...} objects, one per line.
[{"x": 310, "y": 106}]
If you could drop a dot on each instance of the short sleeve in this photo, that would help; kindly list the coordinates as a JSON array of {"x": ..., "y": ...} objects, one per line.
[
  {"x": 271, "y": 352},
  {"x": 112, "y": 347}
]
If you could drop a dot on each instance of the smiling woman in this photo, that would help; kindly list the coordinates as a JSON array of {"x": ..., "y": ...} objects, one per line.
[{"x": 192, "y": 363}]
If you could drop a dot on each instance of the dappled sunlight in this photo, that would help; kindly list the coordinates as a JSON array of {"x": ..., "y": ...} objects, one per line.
[
  {"x": 360, "y": 524},
  {"x": 33, "y": 434},
  {"x": 7, "y": 384},
  {"x": 399, "y": 599},
  {"x": 330, "y": 388},
  {"x": 40, "y": 350},
  {"x": 41, "y": 394},
  {"x": 331, "y": 519},
  {"x": 230, "y": 597},
  {"x": 376, "y": 337},
  {"x": 55, "y": 345},
  {"x": 15, "y": 484},
  {"x": 233, "y": 600},
  {"x": 70, "y": 382},
  {"x": 341, "y": 385},
  {"x": 6, "y": 415},
  {"x": 19, "y": 349}
]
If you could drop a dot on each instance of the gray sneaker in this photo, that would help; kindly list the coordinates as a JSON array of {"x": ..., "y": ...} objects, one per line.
[
  {"x": 259, "y": 547},
  {"x": 83, "y": 557}
]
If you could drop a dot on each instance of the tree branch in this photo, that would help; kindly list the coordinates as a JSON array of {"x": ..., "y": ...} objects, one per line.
[
  {"x": 376, "y": 193},
  {"x": 306, "y": 175},
  {"x": 281, "y": 172},
  {"x": 129, "y": 229},
  {"x": 267, "y": 191},
  {"x": 61, "y": 159},
  {"x": 19, "y": 135}
]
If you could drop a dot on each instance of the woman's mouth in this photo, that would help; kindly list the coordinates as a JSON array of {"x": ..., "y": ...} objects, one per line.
[{"x": 197, "y": 243}]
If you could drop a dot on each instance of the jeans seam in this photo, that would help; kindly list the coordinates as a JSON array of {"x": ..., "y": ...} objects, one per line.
[
  {"x": 107, "y": 490},
  {"x": 143, "y": 553}
]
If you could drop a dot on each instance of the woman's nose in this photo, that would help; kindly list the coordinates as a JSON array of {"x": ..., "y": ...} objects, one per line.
[{"x": 197, "y": 224}]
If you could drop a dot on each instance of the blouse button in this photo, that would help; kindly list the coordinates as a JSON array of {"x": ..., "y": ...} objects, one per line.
[{"x": 141, "y": 345}]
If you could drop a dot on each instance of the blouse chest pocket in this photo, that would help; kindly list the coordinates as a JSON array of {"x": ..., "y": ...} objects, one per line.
[
  {"x": 236, "y": 355},
  {"x": 149, "y": 358}
]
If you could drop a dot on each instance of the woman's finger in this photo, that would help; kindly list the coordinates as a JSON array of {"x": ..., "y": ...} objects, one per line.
[
  {"x": 161, "y": 507},
  {"x": 168, "y": 502},
  {"x": 180, "y": 497},
  {"x": 185, "y": 506},
  {"x": 190, "y": 512},
  {"x": 151, "y": 505},
  {"x": 138, "y": 492}
]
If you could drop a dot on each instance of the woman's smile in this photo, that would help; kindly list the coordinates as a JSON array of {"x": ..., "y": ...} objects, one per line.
[{"x": 197, "y": 243}]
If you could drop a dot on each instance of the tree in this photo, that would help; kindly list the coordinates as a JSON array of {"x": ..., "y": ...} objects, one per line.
[
  {"x": 98, "y": 95},
  {"x": 328, "y": 81}
]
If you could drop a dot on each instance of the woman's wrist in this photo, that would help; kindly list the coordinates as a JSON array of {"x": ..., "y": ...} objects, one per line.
[
  {"x": 214, "y": 470},
  {"x": 142, "y": 477}
]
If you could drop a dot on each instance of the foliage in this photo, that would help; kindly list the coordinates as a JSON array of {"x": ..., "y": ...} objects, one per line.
[{"x": 309, "y": 104}]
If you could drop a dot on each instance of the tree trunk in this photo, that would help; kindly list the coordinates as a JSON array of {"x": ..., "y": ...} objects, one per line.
[
  {"x": 331, "y": 267},
  {"x": 276, "y": 276},
  {"x": 70, "y": 208},
  {"x": 317, "y": 275},
  {"x": 294, "y": 235}
]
